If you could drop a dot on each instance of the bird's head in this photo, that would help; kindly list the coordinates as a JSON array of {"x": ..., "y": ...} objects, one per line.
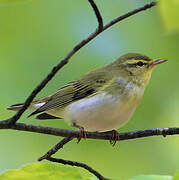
[{"x": 136, "y": 67}]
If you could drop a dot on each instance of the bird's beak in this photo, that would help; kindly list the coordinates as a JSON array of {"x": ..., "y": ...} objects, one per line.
[{"x": 158, "y": 61}]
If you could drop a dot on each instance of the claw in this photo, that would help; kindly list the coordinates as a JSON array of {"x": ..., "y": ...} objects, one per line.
[
  {"x": 115, "y": 137},
  {"x": 82, "y": 134}
]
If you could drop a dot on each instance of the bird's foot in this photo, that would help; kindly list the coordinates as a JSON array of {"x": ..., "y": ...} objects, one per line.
[
  {"x": 82, "y": 133},
  {"x": 115, "y": 137}
]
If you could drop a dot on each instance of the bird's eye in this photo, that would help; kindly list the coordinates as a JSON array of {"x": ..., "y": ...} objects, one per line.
[{"x": 140, "y": 63}]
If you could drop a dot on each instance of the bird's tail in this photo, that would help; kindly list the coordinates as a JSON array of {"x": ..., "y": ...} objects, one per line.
[{"x": 34, "y": 105}]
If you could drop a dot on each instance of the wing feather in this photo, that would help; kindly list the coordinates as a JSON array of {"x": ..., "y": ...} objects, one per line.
[{"x": 73, "y": 91}]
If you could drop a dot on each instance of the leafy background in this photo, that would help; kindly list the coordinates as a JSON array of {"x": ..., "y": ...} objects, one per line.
[
  {"x": 35, "y": 35},
  {"x": 52, "y": 171},
  {"x": 47, "y": 171}
]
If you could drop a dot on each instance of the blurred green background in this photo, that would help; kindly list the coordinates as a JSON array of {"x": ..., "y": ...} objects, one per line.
[{"x": 36, "y": 34}]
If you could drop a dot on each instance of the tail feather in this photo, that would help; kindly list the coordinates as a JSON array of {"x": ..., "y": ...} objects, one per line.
[
  {"x": 16, "y": 107},
  {"x": 45, "y": 116},
  {"x": 35, "y": 112}
]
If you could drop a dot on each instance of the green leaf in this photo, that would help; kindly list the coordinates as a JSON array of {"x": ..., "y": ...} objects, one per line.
[
  {"x": 151, "y": 177},
  {"x": 46, "y": 171},
  {"x": 176, "y": 177},
  {"x": 169, "y": 10}
]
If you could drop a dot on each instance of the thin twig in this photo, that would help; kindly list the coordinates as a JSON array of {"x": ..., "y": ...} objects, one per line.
[
  {"x": 131, "y": 13},
  {"x": 64, "y": 61},
  {"x": 60, "y": 145},
  {"x": 98, "y": 15},
  {"x": 78, "y": 164},
  {"x": 90, "y": 135},
  {"x": 56, "y": 148}
]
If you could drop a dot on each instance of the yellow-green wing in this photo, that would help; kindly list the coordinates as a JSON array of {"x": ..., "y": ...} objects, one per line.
[{"x": 75, "y": 90}]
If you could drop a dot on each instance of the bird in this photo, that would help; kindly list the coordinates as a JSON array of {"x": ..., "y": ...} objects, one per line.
[{"x": 102, "y": 100}]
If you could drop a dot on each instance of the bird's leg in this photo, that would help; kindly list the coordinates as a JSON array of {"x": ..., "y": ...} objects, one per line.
[
  {"x": 115, "y": 137},
  {"x": 82, "y": 132}
]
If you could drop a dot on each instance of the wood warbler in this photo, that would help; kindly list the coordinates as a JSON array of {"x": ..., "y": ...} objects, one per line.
[{"x": 101, "y": 100}]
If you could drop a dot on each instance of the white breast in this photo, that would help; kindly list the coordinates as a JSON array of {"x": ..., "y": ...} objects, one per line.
[{"x": 103, "y": 112}]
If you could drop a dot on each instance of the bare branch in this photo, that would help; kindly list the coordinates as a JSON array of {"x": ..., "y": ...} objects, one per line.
[
  {"x": 91, "y": 135},
  {"x": 78, "y": 164},
  {"x": 98, "y": 15},
  {"x": 131, "y": 13},
  {"x": 70, "y": 134},
  {"x": 64, "y": 61},
  {"x": 60, "y": 145},
  {"x": 55, "y": 148}
]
